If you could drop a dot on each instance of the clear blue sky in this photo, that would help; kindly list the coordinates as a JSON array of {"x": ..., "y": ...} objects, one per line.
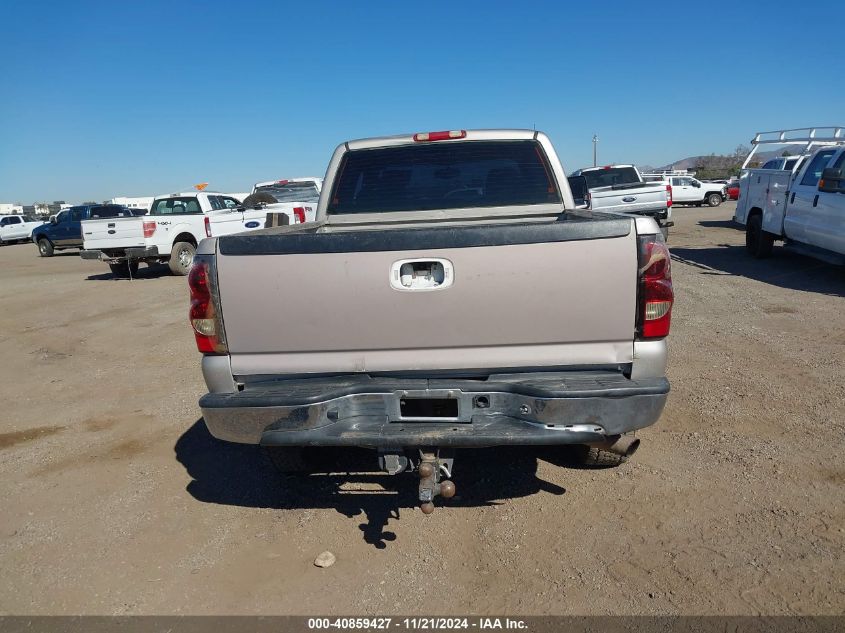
[{"x": 99, "y": 99}]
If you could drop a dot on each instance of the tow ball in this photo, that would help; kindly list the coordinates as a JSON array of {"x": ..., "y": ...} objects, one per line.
[{"x": 430, "y": 470}]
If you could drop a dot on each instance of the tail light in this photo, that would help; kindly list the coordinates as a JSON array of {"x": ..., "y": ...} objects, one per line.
[
  {"x": 668, "y": 196},
  {"x": 299, "y": 213},
  {"x": 204, "y": 312},
  {"x": 439, "y": 136},
  {"x": 149, "y": 228},
  {"x": 655, "y": 287},
  {"x": 589, "y": 200},
  {"x": 207, "y": 227}
]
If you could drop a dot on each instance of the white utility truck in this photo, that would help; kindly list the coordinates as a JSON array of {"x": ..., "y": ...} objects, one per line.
[{"x": 805, "y": 206}]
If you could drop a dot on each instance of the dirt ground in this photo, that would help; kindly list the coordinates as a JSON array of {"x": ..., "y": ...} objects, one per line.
[{"x": 116, "y": 500}]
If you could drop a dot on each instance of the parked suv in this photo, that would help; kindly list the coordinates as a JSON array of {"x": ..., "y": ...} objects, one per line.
[{"x": 65, "y": 229}]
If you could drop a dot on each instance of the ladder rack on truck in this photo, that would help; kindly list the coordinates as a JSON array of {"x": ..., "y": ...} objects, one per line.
[{"x": 808, "y": 137}]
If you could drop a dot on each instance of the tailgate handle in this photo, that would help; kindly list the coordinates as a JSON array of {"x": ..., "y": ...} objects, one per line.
[
  {"x": 422, "y": 274},
  {"x": 111, "y": 225}
]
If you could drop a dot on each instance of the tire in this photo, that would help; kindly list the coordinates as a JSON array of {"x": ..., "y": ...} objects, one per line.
[
  {"x": 758, "y": 242},
  {"x": 287, "y": 460},
  {"x": 714, "y": 199},
  {"x": 181, "y": 257},
  {"x": 665, "y": 231},
  {"x": 124, "y": 269},
  {"x": 45, "y": 247},
  {"x": 592, "y": 457}
]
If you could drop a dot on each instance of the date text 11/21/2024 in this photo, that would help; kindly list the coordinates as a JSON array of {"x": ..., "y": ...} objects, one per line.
[{"x": 416, "y": 623}]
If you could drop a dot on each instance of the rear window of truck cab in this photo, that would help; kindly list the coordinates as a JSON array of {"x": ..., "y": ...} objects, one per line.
[
  {"x": 110, "y": 211},
  {"x": 442, "y": 176},
  {"x": 291, "y": 191},
  {"x": 176, "y": 206},
  {"x": 609, "y": 176}
]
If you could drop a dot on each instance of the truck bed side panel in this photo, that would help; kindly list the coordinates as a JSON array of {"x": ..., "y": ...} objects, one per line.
[{"x": 512, "y": 303}]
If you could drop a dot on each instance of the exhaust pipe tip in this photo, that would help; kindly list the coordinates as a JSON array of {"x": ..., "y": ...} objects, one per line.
[{"x": 625, "y": 445}]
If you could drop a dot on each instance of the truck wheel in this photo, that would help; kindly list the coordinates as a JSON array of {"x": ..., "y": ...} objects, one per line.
[
  {"x": 124, "y": 269},
  {"x": 288, "y": 460},
  {"x": 714, "y": 200},
  {"x": 593, "y": 457},
  {"x": 665, "y": 231},
  {"x": 181, "y": 257},
  {"x": 758, "y": 242},
  {"x": 45, "y": 247}
]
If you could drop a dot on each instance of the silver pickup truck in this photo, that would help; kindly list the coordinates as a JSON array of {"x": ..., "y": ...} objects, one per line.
[
  {"x": 448, "y": 295},
  {"x": 622, "y": 188}
]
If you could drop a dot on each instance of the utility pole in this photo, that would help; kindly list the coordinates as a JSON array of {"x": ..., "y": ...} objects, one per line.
[{"x": 595, "y": 145}]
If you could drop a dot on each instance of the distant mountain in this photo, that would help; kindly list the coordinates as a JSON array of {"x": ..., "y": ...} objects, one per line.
[{"x": 691, "y": 161}]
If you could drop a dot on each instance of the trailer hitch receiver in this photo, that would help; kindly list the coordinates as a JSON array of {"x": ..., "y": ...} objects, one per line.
[{"x": 431, "y": 469}]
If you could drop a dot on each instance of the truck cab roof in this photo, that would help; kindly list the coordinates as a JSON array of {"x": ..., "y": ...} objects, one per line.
[
  {"x": 284, "y": 181},
  {"x": 614, "y": 166},
  {"x": 447, "y": 136},
  {"x": 187, "y": 194}
]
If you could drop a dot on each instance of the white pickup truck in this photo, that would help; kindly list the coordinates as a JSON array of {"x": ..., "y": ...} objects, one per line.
[
  {"x": 169, "y": 233},
  {"x": 177, "y": 222},
  {"x": 805, "y": 206},
  {"x": 689, "y": 190},
  {"x": 621, "y": 188},
  {"x": 17, "y": 228}
]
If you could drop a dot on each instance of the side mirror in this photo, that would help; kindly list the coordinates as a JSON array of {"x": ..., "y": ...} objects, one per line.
[
  {"x": 831, "y": 180},
  {"x": 696, "y": 184},
  {"x": 578, "y": 186},
  {"x": 53, "y": 219}
]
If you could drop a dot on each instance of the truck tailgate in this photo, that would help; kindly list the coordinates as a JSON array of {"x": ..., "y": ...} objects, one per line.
[
  {"x": 113, "y": 233},
  {"x": 630, "y": 200},
  {"x": 511, "y": 295}
]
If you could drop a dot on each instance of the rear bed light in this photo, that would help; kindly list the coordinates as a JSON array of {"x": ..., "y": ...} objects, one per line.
[
  {"x": 207, "y": 227},
  {"x": 439, "y": 136},
  {"x": 655, "y": 288},
  {"x": 299, "y": 213},
  {"x": 149, "y": 228},
  {"x": 204, "y": 315},
  {"x": 668, "y": 196}
]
